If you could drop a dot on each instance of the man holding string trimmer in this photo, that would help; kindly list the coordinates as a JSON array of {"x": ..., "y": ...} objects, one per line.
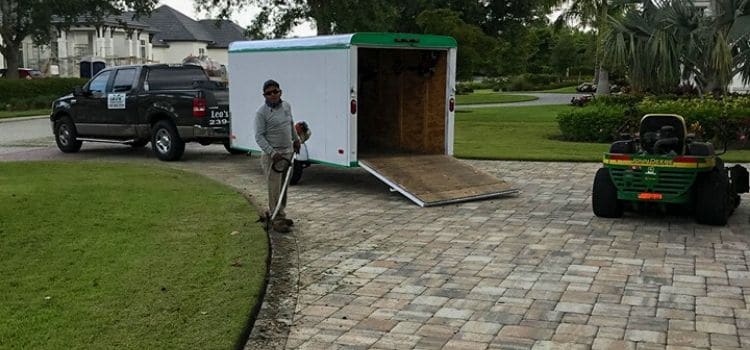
[{"x": 275, "y": 134}]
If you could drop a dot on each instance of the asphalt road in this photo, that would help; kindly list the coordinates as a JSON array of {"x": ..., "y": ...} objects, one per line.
[
  {"x": 26, "y": 132},
  {"x": 542, "y": 99}
]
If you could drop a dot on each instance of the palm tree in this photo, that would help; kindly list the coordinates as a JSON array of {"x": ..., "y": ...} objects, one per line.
[
  {"x": 666, "y": 42},
  {"x": 595, "y": 14}
]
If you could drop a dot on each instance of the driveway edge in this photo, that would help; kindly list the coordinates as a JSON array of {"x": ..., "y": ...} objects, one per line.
[{"x": 273, "y": 322}]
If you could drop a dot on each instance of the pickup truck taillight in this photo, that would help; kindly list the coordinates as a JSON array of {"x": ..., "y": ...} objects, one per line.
[{"x": 199, "y": 107}]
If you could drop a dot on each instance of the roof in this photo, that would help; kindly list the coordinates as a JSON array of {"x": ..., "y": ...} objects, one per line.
[
  {"x": 344, "y": 41},
  {"x": 126, "y": 19},
  {"x": 171, "y": 25},
  {"x": 175, "y": 26},
  {"x": 223, "y": 32}
]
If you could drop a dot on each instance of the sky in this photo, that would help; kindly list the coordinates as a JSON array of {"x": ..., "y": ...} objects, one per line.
[{"x": 243, "y": 18}]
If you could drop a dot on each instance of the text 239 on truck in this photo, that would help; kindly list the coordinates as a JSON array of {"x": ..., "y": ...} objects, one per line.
[{"x": 167, "y": 105}]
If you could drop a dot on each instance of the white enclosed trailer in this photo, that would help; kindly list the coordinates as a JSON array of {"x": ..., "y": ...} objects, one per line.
[{"x": 382, "y": 101}]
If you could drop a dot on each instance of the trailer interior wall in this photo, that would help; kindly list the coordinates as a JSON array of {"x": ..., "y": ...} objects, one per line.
[{"x": 401, "y": 101}]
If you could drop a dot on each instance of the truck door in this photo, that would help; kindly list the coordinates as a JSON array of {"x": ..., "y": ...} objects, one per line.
[
  {"x": 91, "y": 104},
  {"x": 121, "y": 111}
]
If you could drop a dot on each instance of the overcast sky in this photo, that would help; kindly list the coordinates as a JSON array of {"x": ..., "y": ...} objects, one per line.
[{"x": 242, "y": 18}]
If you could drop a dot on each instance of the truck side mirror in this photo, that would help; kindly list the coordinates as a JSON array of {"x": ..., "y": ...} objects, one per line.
[{"x": 78, "y": 91}]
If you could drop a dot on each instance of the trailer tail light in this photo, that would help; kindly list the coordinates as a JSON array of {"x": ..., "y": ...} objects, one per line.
[
  {"x": 353, "y": 106},
  {"x": 648, "y": 196},
  {"x": 451, "y": 104},
  {"x": 199, "y": 107},
  {"x": 684, "y": 159},
  {"x": 620, "y": 157}
]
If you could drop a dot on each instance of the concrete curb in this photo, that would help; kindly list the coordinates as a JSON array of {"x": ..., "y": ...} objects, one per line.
[{"x": 18, "y": 119}]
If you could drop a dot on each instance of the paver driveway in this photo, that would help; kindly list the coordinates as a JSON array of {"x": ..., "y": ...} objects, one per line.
[{"x": 533, "y": 271}]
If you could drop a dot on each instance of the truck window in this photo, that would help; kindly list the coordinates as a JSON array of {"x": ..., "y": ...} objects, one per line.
[
  {"x": 124, "y": 79},
  {"x": 175, "y": 78},
  {"x": 99, "y": 83}
]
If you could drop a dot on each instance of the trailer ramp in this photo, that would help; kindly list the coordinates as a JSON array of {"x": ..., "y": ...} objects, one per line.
[{"x": 430, "y": 180}]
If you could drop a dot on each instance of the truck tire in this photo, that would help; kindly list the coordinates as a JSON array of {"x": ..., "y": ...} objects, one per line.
[
  {"x": 166, "y": 142},
  {"x": 66, "y": 136},
  {"x": 713, "y": 200},
  {"x": 231, "y": 150},
  {"x": 296, "y": 172},
  {"x": 604, "y": 196}
]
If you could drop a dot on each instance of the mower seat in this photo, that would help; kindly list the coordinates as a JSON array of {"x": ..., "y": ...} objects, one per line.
[{"x": 663, "y": 134}]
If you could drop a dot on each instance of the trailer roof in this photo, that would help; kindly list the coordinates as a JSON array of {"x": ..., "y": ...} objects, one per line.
[{"x": 344, "y": 41}]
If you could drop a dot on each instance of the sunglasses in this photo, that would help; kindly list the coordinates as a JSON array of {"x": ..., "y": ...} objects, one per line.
[{"x": 272, "y": 92}]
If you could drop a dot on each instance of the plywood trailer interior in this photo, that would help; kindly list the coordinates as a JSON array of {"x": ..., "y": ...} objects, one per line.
[{"x": 401, "y": 101}]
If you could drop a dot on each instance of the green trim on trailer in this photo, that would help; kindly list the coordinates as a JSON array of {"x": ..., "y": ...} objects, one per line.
[
  {"x": 351, "y": 165},
  {"x": 403, "y": 40},
  {"x": 385, "y": 40}
]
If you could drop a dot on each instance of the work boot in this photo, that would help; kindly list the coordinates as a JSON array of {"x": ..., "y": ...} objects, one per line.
[
  {"x": 286, "y": 221},
  {"x": 280, "y": 227}
]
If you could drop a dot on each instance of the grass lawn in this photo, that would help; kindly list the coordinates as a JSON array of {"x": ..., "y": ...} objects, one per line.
[
  {"x": 528, "y": 133},
  {"x": 13, "y": 114},
  {"x": 488, "y": 96},
  {"x": 121, "y": 256}
]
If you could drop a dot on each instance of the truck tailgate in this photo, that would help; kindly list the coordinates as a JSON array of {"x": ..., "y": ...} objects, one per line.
[
  {"x": 434, "y": 179},
  {"x": 217, "y": 102}
]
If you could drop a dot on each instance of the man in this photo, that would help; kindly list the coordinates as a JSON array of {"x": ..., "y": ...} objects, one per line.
[{"x": 275, "y": 134}]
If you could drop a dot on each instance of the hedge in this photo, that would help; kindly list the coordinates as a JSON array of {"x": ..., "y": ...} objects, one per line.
[
  {"x": 19, "y": 94},
  {"x": 721, "y": 119}
]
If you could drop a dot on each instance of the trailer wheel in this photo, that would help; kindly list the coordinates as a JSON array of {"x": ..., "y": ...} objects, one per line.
[
  {"x": 604, "y": 196},
  {"x": 228, "y": 147},
  {"x": 139, "y": 143},
  {"x": 296, "y": 172},
  {"x": 713, "y": 200},
  {"x": 166, "y": 142},
  {"x": 66, "y": 136}
]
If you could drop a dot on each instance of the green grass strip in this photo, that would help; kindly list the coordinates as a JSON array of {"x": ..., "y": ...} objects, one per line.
[
  {"x": 33, "y": 112},
  {"x": 128, "y": 257}
]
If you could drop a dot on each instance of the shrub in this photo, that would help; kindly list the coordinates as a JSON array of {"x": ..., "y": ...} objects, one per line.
[
  {"x": 720, "y": 120},
  {"x": 531, "y": 82},
  {"x": 21, "y": 89},
  {"x": 593, "y": 123}
]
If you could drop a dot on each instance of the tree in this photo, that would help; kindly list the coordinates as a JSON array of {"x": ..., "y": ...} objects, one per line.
[
  {"x": 595, "y": 13},
  {"x": 475, "y": 45},
  {"x": 665, "y": 42},
  {"x": 40, "y": 18}
]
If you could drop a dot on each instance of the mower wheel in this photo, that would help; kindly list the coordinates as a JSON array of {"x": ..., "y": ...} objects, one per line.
[
  {"x": 713, "y": 200},
  {"x": 604, "y": 196}
]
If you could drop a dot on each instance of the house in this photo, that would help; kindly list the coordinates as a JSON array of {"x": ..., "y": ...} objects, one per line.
[{"x": 167, "y": 36}]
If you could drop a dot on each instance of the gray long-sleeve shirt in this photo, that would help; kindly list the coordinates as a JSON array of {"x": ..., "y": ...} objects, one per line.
[{"x": 274, "y": 128}]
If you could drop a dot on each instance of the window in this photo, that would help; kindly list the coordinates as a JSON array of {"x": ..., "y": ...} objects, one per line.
[
  {"x": 201, "y": 52},
  {"x": 176, "y": 78},
  {"x": 124, "y": 80},
  {"x": 99, "y": 83}
]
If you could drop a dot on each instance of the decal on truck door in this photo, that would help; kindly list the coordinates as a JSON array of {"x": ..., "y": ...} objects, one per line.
[{"x": 116, "y": 101}]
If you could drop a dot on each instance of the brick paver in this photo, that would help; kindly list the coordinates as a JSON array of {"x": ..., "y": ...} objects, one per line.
[{"x": 535, "y": 271}]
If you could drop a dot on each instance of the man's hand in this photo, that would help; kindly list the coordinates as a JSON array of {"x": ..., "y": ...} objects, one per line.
[
  {"x": 277, "y": 157},
  {"x": 296, "y": 146}
]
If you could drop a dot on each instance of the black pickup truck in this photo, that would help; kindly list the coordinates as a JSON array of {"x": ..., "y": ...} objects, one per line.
[{"x": 166, "y": 105}]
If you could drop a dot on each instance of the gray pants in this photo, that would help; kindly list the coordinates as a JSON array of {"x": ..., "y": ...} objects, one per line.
[{"x": 274, "y": 181}]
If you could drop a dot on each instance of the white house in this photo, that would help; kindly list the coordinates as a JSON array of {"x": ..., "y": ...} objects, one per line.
[{"x": 167, "y": 36}]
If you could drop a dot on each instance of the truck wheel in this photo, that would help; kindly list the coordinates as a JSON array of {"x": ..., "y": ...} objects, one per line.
[
  {"x": 166, "y": 142},
  {"x": 712, "y": 198},
  {"x": 604, "y": 196},
  {"x": 231, "y": 150},
  {"x": 296, "y": 172},
  {"x": 66, "y": 136}
]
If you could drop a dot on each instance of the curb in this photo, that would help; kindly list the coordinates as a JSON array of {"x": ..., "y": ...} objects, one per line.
[{"x": 18, "y": 119}]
